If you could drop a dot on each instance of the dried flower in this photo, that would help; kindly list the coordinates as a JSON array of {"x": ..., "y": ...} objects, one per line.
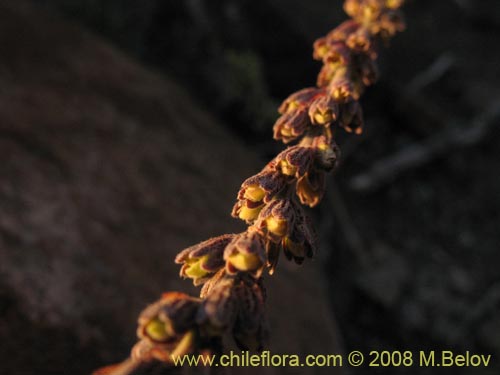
[
  {"x": 201, "y": 261},
  {"x": 209, "y": 286},
  {"x": 351, "y": 117},
  {"x": 250, "y": 330},
  {"x": 273, "y": 254},
  {"x": 301, "y": 242},
  {"x": 218, "y": 308},
  {"x": 367, "y": 70}
]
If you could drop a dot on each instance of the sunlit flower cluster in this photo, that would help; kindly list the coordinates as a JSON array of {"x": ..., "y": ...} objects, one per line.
[{"x": 230, "y": 267}]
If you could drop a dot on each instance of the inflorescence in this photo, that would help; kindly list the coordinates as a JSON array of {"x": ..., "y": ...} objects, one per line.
[{"x": 230, "y": 266}]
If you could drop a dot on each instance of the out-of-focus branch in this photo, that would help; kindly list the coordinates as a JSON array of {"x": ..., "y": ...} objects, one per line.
[{"x": 415, "y": 155}]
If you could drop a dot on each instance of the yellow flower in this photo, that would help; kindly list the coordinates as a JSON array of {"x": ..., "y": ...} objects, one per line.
[
  {"x": 248, "y": 211},
  {"x": 323, "y": 110},
  {"x": 276, "y": 219},
  {"x": 201, "y": 261},
  {"x": 245, "y": 253},
  {"x": 297, "y": 100},
  {"x": 158, "y": 330},
  {"x": 165, "y": 320},
  {"x": 291, "y": 125},
  {"x": 295, "y": 161},
  {"x": 256, "y": 191}
]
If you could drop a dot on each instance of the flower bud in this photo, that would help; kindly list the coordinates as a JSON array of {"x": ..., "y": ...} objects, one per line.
[
  {"x": 245, "y": 253},
  {"x": 201, "y": 261}
]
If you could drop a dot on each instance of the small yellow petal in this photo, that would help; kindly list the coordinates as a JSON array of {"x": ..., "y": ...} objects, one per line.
[
  {"x": 249, "y": 214},
  {"x": 277, "y": 226},
  {"x": 157, "y": 330},
  {"x": 245, "y": 262},
  {"x": 287, "y": 168},
  {"x": 323, "y": 118},
  {"x": 194, "y": 270},
  {"x": 254, "y": 193},
  {"x": 293, "y": 105}
]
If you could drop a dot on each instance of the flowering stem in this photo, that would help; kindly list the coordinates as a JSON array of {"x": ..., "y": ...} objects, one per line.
[{"x": 230, "y": 266}]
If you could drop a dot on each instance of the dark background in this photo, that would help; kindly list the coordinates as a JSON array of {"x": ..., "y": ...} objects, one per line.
[{"x": 410, "y": 254}]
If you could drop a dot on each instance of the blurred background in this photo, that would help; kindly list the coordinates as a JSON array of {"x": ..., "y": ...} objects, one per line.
[{"x": 127, "y": 126}]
